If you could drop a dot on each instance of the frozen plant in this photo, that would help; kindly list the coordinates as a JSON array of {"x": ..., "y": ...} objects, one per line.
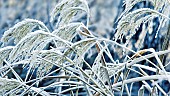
[{"x": 48, "y": 63}]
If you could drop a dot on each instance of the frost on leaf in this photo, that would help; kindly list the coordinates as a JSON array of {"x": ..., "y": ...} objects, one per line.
[
  {"x": 78, "y": 49},
  {"x": 4, "y": 52},
  {"x": 158, "y": 5},
  {"x": 7, "y": 85},
  {"x": 37, "y": 40},
  {"x": 81, "y": 47},
  {"x": 21, "y": 29},
  {"x": 44, "y": 60},
  {"x": 67, "y": 32},
  {"x": 113, "y": 69},
  {"x": 99, "y": 70},
  {"x": 132, "y": 21},
  {"x": 66, "y": 9}
]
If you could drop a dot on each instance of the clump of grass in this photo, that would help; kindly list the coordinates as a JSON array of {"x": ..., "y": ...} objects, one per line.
[{"x": 59, "y": 69}]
